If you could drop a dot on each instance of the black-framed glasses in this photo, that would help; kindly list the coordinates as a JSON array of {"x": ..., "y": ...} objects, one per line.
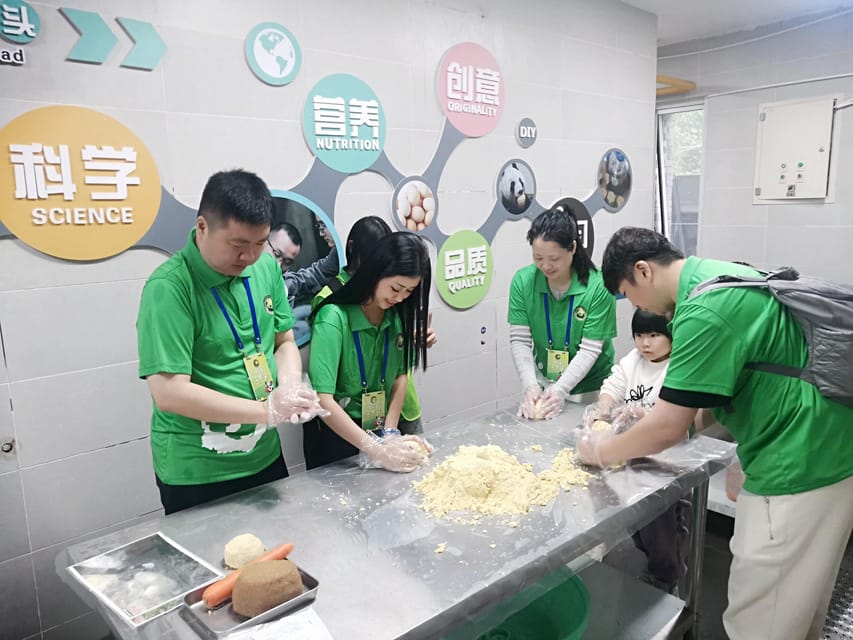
[{"x": 279, "y": 256}]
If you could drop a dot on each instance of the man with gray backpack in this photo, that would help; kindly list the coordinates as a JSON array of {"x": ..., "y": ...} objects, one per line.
[{"x": 767, "y": 356}]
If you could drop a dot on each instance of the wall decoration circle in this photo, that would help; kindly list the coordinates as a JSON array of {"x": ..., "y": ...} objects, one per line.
[
  {"x": 273, "y": 54},
  {"x": 471, "y": 89},
  {"x": 344, "y": 123}
]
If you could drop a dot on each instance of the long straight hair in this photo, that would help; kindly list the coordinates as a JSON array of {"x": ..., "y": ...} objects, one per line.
[{"x": 397, "y": 254}]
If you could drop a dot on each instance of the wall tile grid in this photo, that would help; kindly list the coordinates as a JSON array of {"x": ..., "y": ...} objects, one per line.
[{"x": 82, "y": 463}]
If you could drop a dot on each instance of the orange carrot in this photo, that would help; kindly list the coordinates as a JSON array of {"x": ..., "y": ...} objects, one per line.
[{"x": 220, "y": 591}]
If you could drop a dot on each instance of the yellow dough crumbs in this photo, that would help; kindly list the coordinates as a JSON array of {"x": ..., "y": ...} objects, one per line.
[
  {"x": 487, "y": 480},
  {"x": 536, "y": 447},
  {"x": 441, "y": 548}
]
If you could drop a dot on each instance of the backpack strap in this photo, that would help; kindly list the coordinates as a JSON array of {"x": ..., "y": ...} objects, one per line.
[{"x": 726, "y": 281}]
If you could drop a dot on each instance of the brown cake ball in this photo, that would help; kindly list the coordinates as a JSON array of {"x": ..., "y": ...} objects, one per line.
[{"x": 264, "y": 585}]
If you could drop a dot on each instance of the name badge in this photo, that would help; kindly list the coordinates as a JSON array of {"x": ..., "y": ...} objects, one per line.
[
  {"x": 372, "y": 410},
  {"x": 557, "y": 363},
  {"x": 259, "y": 374}
]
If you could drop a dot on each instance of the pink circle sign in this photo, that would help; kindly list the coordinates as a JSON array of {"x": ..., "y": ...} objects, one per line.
[{"x": 471, "y": 89}]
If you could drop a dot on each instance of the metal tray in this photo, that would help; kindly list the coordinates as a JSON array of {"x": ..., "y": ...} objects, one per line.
[{"x": 219, "y": 622}]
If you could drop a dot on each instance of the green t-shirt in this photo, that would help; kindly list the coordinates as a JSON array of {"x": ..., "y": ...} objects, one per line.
[
  {"x": 790, "y": 438},
  {"x": 593, "y": 317},
  {"x": 411, "y": 410},
  {"x": 333, "y": 362},
  {"x": 181, "y": 330}
]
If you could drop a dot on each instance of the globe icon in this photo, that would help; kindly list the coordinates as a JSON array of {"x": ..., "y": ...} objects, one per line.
[{"x": 273, "y": 53}]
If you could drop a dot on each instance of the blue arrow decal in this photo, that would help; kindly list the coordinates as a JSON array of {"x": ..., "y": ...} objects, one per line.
[
  {"x": 96, "y": 40},
  {"x": 148, "y": 46}
]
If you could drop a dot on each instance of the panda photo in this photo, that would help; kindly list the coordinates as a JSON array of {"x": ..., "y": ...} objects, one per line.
[
  {"x": 614, "y": 178},
  {"x": 516, "y": 186}
]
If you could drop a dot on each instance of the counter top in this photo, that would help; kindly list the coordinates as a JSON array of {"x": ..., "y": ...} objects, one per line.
[{"x": 363, "y": 535}]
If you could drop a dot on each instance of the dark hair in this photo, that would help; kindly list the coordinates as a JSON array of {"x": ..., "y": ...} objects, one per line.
[
  {"x": 362, "y": 239},
  {"x": 560, "y": 224},
  {"x": 291, "y": 231},
  {"x": 628, "y": 246},
  {"x": 648, "y": 322},
  {"x": 396, "y": 254},
  {"x": 236, "y": 195}
]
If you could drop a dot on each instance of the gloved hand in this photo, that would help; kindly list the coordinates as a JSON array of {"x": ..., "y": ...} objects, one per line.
[
  {"x": 589, "y": 445},
  {"x": 402, "y": 454},
  {"x": 595, "y": 412},
  {"x": 293, "y": 401},
  {"x": 628, "y": 415},
  {"x": 527, "y": 408},
  {"x": 552, "y": 402}
]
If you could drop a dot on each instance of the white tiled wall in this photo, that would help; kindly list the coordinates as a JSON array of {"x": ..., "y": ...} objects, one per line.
[
  {"x": 813, "y": 237},
  {"x": 582, "y": 70}
]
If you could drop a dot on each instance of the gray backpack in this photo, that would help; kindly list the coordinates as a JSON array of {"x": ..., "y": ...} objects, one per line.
[{"x": 825, "y": 312}]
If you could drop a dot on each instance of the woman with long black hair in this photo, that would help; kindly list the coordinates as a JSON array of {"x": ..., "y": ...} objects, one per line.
[{"x": 366, "y": 336}]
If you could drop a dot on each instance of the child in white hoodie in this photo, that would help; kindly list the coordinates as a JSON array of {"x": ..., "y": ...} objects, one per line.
[{"x": 631, "y": 390}]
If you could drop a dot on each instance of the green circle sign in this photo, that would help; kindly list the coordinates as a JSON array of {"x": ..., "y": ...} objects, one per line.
[
  {"x": 464, "y": 269},
  {"x": 273, "y": 53}
]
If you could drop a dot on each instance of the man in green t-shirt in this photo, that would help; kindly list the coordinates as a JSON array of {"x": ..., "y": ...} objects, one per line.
[
  {"x": 795, "y": 513},
  {"x": 217, "y": 350}
]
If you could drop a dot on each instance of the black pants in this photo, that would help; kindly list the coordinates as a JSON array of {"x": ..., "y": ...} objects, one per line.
[
  {"x": 176, "y": 497},
  {"x": 322, "y": 446},
  {"x": 665, "y": 542}
]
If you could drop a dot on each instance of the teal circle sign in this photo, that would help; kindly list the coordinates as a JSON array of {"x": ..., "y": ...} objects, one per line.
[
  {"x": 344, "y": 123},
  {"x": 273, "y": 53},
  {"x": 19, "y": 22},
  {"x": 464, "y": 269}
]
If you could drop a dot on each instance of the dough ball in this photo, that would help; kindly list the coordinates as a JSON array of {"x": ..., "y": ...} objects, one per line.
[
  {"x": 264, "y": 585},
  {"x": 242, "y": 549},
  {"x": 537, "y": 410},
  {"x": 601, "y": 425},
  {"x": 418, "y": 447}
]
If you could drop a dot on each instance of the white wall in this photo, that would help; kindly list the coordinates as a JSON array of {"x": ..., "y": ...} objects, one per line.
[
  {"x": 813, "y": 237},
  {"x": 582, "y": 70}
]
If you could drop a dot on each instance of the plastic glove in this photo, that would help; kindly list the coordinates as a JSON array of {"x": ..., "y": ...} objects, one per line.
[
  {"x": 402, "y": 454},
  {"x": 734, "y": 480},
  {"x": 552, "y": 402},
  {"x": 628, "y": 415},
  {"x": 527, "y": 408},
  {"x": 595, "y": 412},
  {"x": 589, "y": 446},
  {"x": 294, "y": 401}
]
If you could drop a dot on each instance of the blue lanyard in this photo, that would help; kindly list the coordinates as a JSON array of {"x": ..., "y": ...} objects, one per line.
[
  {"x": 361, "y": 359},
  {"x": 255, "y": 327},
  {"x": 568, "y": 322}
]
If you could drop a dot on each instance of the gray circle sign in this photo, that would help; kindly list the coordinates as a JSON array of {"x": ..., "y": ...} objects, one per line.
[{"x": 525, "y": 133}]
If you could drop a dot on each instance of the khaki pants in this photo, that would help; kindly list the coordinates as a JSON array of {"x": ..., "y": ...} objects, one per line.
[{"x": 786, "y": 553}]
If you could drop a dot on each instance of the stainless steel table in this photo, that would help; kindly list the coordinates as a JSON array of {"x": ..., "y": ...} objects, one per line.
[{"x": 363, "y": 535}]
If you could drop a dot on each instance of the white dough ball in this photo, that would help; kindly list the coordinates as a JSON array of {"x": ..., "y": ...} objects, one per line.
[
  {"x": 428, "y": 216},
  {"x": 421, "y": 226},
  {"x": 404, "y": 209},
  {"x": 411, "y": 225},
  {"x": 243, "y": 549},
  {"x": 429, "y": 204},
  {"x": 418, "y": 214}
]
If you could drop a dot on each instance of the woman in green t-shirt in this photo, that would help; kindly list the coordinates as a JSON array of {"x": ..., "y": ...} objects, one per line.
[
  {"x": 361, "y": 241},
  {"x": 561, "y": 317},
  {"x": 366, "y": 335}
]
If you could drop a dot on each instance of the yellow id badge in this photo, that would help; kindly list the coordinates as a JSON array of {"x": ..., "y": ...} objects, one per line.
[
  {"x": 372, "y": 410},
  {"x": 260, "y": 376},
  {"x": 557, "y": 363}
]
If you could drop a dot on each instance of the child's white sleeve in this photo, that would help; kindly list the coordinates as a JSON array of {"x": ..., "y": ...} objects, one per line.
[
  {"x": 616, "y": 384},
  {"x": 521, "y": 346}
]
